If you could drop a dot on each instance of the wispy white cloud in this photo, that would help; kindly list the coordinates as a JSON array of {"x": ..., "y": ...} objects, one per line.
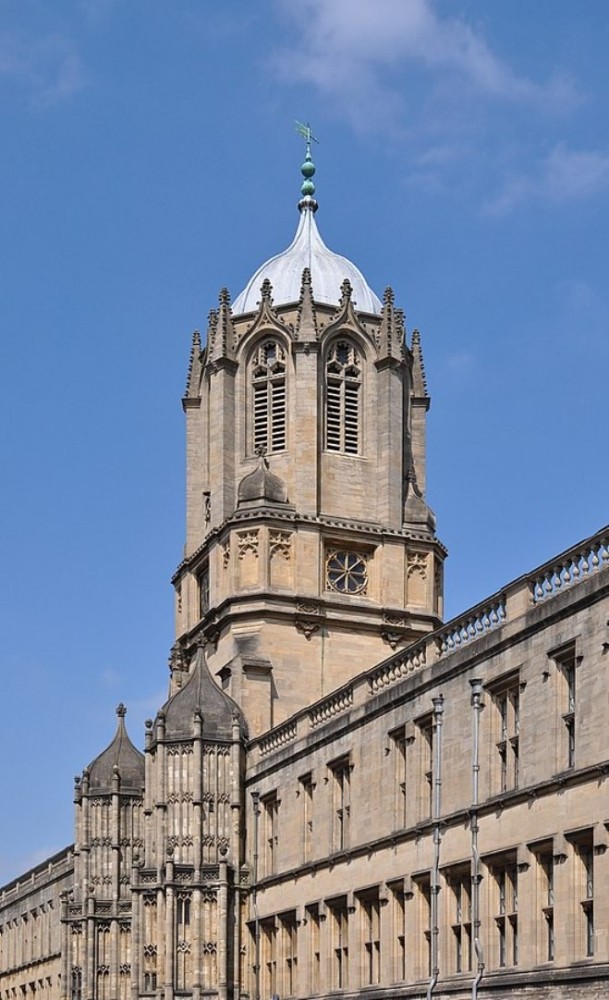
[
  {"x": 352, "y": 51},
  {"x": 564, "y": 175},
  {"x": 48, "y": 69}
]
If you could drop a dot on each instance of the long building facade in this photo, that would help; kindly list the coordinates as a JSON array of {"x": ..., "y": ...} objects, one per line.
[{"x": 341, "y": 793}]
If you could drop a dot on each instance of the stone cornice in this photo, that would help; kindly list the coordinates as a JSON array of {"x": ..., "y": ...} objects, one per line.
[{"x": 272, "y": 515}]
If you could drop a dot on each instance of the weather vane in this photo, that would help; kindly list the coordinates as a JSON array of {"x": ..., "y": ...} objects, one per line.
[{"x": 307, "y": 134}]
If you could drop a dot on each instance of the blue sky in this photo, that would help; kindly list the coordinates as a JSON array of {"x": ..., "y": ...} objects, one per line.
[{"x": 149, "y": 158}]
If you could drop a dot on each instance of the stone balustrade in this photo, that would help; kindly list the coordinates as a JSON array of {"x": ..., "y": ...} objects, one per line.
[
  {"x": 278, "y": 737},
  {"x": 570, "y": 567},
  {"x": 404, "y": 663},
  {"x": 338, "y": 702},
  {"x": 472, "y": 625}
]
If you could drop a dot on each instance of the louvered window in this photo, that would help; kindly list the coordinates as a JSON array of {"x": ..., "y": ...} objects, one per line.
[
  {"x": 269, "y": 398},
  {"x": 343, "y": 386}
]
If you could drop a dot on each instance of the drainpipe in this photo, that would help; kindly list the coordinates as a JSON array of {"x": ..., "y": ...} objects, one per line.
[
  {"x": 256, "y": 802},
  {"x": 477, "y": 706},
  {"x": 438, "y": 709}
]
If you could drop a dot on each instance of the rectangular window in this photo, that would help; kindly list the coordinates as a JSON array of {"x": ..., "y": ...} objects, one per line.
[
  {"x": 270, "y": 809},
  {"x": 289, "y": 949},
  {"x": 341, "y": 790},
  {"x": 306, "y": 794},
  {"x": 398, "y": 929},
  {"x": 371, "y": 937},
  {"x": 425, "y": 741},
  {"x": 400, "y": 746},
  {"x": 545, "y": 883},
  {"x": 268, "y": 945},
  {"x": 584, "y": 858},
  {"x": 314, "y": 924},
  {"x": 506, "y": 700},
  {"x": 461, "y": 919},
  {"x": 339, "y": 915},
  {"x": 505, "y": 876},
  {"x": 566, "y": 664},
  {"x": 424, "y": 929}
]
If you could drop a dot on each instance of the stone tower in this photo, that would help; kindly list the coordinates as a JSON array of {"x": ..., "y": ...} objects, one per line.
[
  {"x": 96, "y": 947},
  {"x": 310, "y": 550}
]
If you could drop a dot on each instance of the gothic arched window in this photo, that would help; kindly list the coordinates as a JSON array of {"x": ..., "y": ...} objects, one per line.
[
  {"x": 269, "y": 397},
  {"x": 343, "y": 385}
]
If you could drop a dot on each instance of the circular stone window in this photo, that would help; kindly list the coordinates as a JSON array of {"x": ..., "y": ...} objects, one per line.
[{"x": 347, "y": 572}]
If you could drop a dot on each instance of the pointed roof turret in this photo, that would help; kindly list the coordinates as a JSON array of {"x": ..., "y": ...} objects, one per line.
[
  {"x": 201, "y": 694},
  {"x": 307, "y": 250},
  {"x": 120, "y": 757}
]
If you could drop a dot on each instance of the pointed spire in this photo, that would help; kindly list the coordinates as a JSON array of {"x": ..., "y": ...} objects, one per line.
[
  {"x": 419, "y": 380},
  {"x": 221, "y": 336},
  {"x": 195, "y": 365},
  {"x": 307, "y": 319}
]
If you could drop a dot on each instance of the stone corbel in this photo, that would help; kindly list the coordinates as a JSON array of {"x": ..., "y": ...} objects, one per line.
[
  {"x": 308, "y": 626},
  {"x": 391, "y": 637}
]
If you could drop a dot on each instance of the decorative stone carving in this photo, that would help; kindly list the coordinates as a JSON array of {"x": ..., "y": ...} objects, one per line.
[
  {"x": 280, "y": 544},
  {"x": 308, "y": 607},
  {"x": 247, "y": 541},
  {"x": 307, "y": 626},
  {"x": 417, "y": 563},
  {"x": 392, "y": 638}
]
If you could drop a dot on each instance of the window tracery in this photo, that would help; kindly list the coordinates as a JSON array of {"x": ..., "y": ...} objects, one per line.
[
  {"x": 346, "y": 572},
  {"x": 268, "y": 381},
  {"x": 343, "y": 385}
]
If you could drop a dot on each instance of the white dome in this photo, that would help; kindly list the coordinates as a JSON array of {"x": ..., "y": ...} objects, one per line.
[{"x": 328, "y": 271}]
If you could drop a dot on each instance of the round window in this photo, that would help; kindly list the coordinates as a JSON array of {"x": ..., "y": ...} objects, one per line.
[{"x": 347, "y": 572}]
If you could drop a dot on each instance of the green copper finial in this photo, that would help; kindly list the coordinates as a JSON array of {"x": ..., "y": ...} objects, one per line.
[{"x": 308, "y": 167}]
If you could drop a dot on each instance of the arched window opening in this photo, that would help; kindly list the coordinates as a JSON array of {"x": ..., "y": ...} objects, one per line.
[
  {"x": 269, "y": 397},
  {"x": 343, "y": 384}
]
